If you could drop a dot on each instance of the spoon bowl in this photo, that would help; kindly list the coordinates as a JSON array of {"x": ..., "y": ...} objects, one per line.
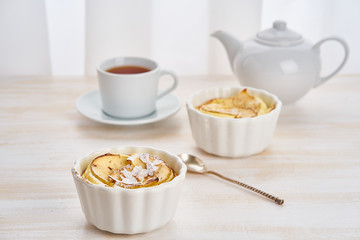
[
  {"x": 193, "y": 164},
  {"x": 196, "y": 165}
]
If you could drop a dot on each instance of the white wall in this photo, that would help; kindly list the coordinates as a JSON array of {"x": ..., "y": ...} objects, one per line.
[{"x": 173, "y": 32}]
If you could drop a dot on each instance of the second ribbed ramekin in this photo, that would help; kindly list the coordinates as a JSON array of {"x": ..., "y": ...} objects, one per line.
[
  {"x": 129, "y": 211},
  {"x": 232, "y": 137}
]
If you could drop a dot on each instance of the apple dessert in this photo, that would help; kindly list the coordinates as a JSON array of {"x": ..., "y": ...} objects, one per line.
[
  {"x": 128, "y": 171},
  {"x": 241, "y": 105}
]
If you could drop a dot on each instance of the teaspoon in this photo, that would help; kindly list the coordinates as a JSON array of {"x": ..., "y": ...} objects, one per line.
[{"x": 195, "y": 165}]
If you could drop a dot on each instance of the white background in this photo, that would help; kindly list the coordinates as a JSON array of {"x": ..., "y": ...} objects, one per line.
[{"x": 75, "y": 35}]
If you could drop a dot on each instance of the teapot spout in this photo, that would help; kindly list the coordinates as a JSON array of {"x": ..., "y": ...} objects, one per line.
[{"x": 231, "y": 44}]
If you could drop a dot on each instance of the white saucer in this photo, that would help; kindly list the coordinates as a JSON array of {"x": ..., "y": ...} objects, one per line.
[{"x": 89, "y": 105}]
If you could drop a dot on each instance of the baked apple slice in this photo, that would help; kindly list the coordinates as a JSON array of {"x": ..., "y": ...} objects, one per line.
[
  {"x": 171, "y": 176},
  {"x": 87, "y": 175},
  {"x": 163, "y": 172},
  {"x": 102, "y": 166}
]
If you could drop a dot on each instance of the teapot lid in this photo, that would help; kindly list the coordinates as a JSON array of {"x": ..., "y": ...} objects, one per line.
[{"x": 279, "y": 35}]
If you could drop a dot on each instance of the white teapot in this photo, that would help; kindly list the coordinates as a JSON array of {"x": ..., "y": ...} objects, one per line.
[{"x": 278, "y": 60}]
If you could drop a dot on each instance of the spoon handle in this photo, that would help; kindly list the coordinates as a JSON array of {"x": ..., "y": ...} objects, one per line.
[{"x": 275, "y": 199}]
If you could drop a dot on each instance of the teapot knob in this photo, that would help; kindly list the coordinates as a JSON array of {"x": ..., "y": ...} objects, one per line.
[{"x": 279, "y": 25}]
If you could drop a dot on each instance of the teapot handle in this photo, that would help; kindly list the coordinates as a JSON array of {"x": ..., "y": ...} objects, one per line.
[{"x": 316, "y": 47}]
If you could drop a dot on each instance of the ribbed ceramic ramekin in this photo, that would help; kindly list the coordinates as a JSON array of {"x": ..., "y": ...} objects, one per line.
[
  {"x": 129, "y": 211},
  {"x": 232, "y": 137}
]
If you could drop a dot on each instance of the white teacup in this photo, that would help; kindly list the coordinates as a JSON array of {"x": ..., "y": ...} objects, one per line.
[{"x": 131, "y": 95}]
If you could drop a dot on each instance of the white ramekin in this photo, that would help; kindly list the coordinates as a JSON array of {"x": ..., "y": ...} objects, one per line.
[
  {"x": 129, "y": 211},
  {"x": 232, "y": 137}
]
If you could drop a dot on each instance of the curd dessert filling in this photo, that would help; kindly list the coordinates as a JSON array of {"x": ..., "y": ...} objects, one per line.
[
  {"x": 128, "y": 171},
  {"x": 241, "y": 105}
]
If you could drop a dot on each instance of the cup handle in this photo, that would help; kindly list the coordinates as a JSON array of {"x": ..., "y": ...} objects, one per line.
[
  {"x": 316, "y": 47},
  {"x": 172, "y": 87}
]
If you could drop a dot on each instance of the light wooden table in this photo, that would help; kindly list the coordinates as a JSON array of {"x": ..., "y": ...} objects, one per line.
[{"x": 313, "y": 163}]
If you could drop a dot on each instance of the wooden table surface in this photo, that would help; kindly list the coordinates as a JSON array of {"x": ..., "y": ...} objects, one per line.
[{"x": 313, "y": 163}]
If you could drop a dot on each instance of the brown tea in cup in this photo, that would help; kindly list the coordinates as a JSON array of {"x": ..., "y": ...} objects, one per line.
[{"x": 128, "y": 69}]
